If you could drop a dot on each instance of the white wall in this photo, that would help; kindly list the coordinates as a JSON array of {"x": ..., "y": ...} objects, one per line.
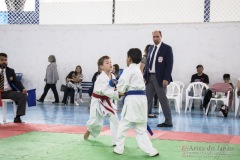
[{"x": 214, "y": 45}]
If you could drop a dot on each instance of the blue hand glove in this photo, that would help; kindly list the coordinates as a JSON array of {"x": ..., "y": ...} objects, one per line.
[{"x": 113, "y": 83}]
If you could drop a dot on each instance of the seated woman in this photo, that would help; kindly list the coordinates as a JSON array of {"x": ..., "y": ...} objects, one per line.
[
  {"x": 116, "y": 70},
  {"x": 73, "y": 87}
]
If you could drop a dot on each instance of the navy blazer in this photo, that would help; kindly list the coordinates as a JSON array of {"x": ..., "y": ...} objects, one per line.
[
  {"x": 163, "y": 64},
  {"x": 13, "y": 81}
]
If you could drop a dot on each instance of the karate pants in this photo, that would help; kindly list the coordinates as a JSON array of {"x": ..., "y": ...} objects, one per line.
[
  {"x": 95, "y": 124},
  {"x": 142, "y": 138}
]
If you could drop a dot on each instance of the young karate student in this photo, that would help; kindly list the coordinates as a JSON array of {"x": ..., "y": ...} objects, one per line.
[
  {"x": 135, "y": 106},
  {"x": 101, "y": 104}
]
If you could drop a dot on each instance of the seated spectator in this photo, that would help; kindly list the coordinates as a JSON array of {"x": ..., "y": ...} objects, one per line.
[
  {"x": 94, "y": 78},
  {"x": 226, "y": 78},
  {"x": 115, "y": 70},
  {"x": 12, "y": 88},
  {"x": 73, "y": 86},
  {"x": 200, "y": 76}
]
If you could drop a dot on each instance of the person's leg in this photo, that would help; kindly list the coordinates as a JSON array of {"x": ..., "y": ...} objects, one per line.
[
  {"x": 65, "y": 95},
  {"x": 163, "y": 101},
  {"x": 94, "y": 124},
  {"x": 114, "y": 122},
  {"x": 71, "y": 94},
  {"x": 150, "y": 90},
  {"x": 55, "y": 93},
  {"x": 19, "y": 97},
  {"x": 143, "y": 140},
  {"x": 80, "y": 95},
  {"x": 123, "y": 127},
  {"x": 155, "y": 100},
  {"x": 46, "y": 88}
]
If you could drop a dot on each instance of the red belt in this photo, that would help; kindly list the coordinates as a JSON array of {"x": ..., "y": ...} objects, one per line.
[{"x": 107, "y": 99}]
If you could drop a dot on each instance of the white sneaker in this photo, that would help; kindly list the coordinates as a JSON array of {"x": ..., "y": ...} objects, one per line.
[
  {"x": 76, "y": 104},
  {"x": 81, "y": 100}
]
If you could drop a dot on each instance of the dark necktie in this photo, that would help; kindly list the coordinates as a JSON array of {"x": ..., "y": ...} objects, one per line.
[
  {"x": 2, "y": 81},
  {"x": 152, "y": 57}
]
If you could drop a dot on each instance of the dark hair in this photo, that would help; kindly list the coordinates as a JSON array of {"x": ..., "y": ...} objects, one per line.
[
  {"x": 101, "y": 60},
  {"x": 116, "y": 68},
  {"x": 226, "y": 75},
  {"x": 3, "y": 54},
  {"x": 80, "y": 69},
  {"x": 135, "y": 54},
  {"x": 199, "y": 66},
  {"x": 146, "y": 48}
]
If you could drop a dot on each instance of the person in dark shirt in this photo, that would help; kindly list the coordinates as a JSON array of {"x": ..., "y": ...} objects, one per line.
[{"x": 200, "y": 76}]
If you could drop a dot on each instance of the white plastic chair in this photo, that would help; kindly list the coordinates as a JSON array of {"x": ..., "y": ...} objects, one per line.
[
  {"x": 223, "y": 98},
  {"x": 237, "y": 102},
  {"x": 197, "y": 88},
  {"x": 4, "y": 106},
  {"x": 182, "y": 86},
  {"x": 173, "y": 93}
]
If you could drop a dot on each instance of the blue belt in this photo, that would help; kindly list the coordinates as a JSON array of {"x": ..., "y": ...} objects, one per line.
[
  {"x": 136, "y": 92},
  {"x": 133, "y": 92}
]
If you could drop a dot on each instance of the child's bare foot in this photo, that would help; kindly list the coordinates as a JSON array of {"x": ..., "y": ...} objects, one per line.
[{"x": 86, "y": 135}]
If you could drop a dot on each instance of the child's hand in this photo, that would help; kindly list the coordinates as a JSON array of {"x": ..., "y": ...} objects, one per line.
[{"x": 121, "y": 94}]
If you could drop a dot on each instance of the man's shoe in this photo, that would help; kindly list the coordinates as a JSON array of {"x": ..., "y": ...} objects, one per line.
[
  {"x": 39, "y": 100},
  {"x": 164, "y": 125},
  {"x": 55, "y": 102},
  {"x": 18, "y": 120}
]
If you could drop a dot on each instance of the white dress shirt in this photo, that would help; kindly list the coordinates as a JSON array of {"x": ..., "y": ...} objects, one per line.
[{"x": 154, "y": 60}]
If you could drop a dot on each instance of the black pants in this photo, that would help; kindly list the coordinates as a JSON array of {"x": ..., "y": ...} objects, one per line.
[
  {"x": 68, "y": 92},
  {"x": 53, "y": 88},
  {"x": 18, "y": 97}
]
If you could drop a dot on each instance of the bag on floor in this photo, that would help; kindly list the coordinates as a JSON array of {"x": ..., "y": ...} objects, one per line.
[
  {"x": 63, "y": 87},
  {"x": 31, "y": 99},
  {"x": 223, "y": 111}
]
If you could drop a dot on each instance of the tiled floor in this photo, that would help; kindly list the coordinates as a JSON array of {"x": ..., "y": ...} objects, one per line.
[{"x": 195, "y": 121}]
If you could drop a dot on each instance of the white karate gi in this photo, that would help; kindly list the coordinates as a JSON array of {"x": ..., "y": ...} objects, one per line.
[
  {"x": 98, "y": 111},
  {"x": 134, "y": 111}
]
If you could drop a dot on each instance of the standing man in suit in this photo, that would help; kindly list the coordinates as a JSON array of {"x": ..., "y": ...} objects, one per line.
[
  {"x": 9, "y": 86},
  {"x": 157, "y": 74}
]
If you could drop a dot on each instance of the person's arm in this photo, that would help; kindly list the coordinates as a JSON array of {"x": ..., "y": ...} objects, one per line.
[
  {"x": 168, "y": 70},
  {"x": 143, "y": 62},
  {"x": 192, "y": 79},
  {"x": 123, "y": 82},
  {"x": 78, "y": 79},
  {"x": 16, "y": 82},
  {"x": 69, "y": 77},
  {"x": 207, "y": 79}
]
